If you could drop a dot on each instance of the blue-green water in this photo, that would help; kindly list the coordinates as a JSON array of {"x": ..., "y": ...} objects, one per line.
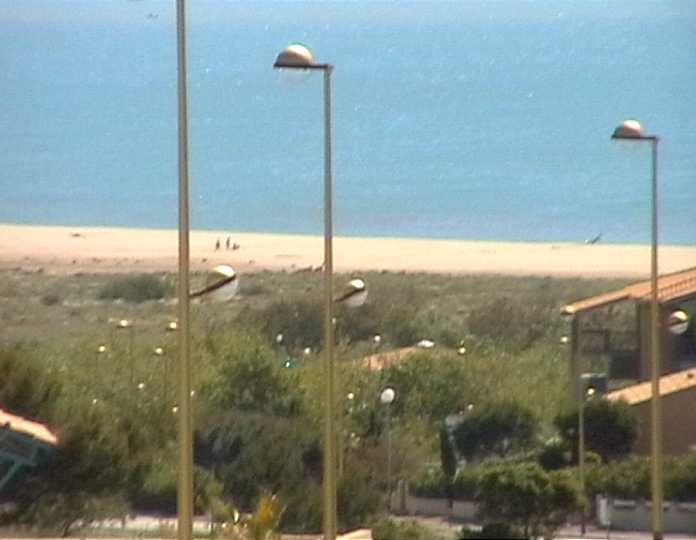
[{"x": 471, "y": 119}]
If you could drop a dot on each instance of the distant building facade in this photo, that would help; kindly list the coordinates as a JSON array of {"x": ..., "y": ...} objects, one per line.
[{"x": 678, "y": 401}]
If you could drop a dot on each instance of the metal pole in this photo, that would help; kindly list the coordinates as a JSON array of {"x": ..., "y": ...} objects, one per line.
[
  {"x": 329, "y": 485},
  {"x": 581, "y": 459},
  {"x": 185, "y": 429},
  {"x": 576, "y": 371},
  {"x": 389, "y": 457},
  {"x": 656, "y": 415},
  {"x": 130, "y": 354}
]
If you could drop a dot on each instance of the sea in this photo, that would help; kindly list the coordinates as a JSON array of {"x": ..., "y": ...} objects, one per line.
[{"x": 484, "y": 120}]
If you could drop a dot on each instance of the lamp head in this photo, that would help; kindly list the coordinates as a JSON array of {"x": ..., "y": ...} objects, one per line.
[
  {"x": 222, "y": 286},
  {"x": 678, "y": 322},
  {"x": 387, "y": 396},
  {"x": 354, "y": 294},
  {"x": 295, "y": 56},
  {"x": 629, "y": 129}
]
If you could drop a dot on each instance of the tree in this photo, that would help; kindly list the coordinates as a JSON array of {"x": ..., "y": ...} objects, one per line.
[
  {"x": 498, "y": 429},
  {"x": 85, "y": 480},
  {"x": 26, "y": 388},
  {"x": 610, "y": 429},
  {"x": 248, "y": 378},
  {"x": 526, "y": 496},
  {"x": 448, "y": 457},
  {"x": 513, "y": 323}
]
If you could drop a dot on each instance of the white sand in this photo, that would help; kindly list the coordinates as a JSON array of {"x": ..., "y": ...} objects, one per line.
[{"x": 96, "y": 249}]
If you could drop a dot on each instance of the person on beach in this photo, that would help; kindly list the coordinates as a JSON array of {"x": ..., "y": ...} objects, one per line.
[
  {"x": 217, "y": 244},
  {"x": 227, "y": 243}
]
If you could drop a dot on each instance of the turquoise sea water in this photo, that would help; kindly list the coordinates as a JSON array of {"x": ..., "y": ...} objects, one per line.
[{"x": 471, "y": 119}]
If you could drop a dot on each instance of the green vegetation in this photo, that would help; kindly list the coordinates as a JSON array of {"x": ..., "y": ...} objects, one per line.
[
  {"x": 523, "y": 495},
  {"x": 495, "y": 430},
  {"x": 135, "y": 288},
  {"x": 258, "y": 422},
  {"x": 610, "y": 429},
  {"x": 389, "y": 529}
]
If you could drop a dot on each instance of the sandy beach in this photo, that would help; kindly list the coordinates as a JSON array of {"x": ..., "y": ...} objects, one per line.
[{"x": 57, "y": 249}]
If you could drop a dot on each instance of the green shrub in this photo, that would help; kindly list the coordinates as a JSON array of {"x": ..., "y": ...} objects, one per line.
[
  {"x": 432, "y": 483},
  {"x": 514, "y": 323},
  {"x": 299, "y": 320},
  {"x": 50, "y": 299},
  {"x": 630, "y": 478},
  {"x": 490, "y": 531},
  {"x": 466, "y": 482},
  {"x": 554, "y": 455},
  {"x": 625, "y": 479},
  {"x": 134, "y": 288},
  {"x": 498, "y": 429},
  {"x": 523, "y": 495},
  {"x": 611, "y": 429},
  {"x": 409, "y": 530},
  {"x": 680, "y": 478}
]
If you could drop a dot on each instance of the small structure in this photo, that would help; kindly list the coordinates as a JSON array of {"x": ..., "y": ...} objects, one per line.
[
  {"x": 383, "y": 360},
  {"x": 23, "y": 444},
  {"x": 610, "y": 332},
  {"x": 678, "y": 398}
]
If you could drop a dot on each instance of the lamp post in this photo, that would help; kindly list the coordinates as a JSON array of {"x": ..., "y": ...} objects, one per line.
[
  {"x": 387, "y": 397},
  {"x": 631, "y": 130},
  {"x": 97, "y": 353},
  {"x": 586, "y": 394},
  {"x": 125, "y": 324},
  {"x": 299, "y": 57},
  {"x": 159, "y": 352},
  {"x": 185, "y": 418}
]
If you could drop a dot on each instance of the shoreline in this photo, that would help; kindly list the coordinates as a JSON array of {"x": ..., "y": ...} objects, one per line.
[{"x": 68, "y": 249}]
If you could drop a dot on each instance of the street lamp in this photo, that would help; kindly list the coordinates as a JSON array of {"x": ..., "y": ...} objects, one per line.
[
  {"x": 101, "y": 349},
  {"x": 159, "y": 352},
  {"x": 631, "y": 130},
  {"x": 299, "y": 57},
  {"x": 587, "y": 394},
  {"x": 222, "y": 286},
  {"x": 125, "y": 324},
  {"x": 185, "y": 419},
  {"x": 387, "y": 397}
]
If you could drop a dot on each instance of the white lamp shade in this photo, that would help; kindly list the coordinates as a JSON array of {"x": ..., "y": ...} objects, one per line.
[{"x": 387, "y": 395}]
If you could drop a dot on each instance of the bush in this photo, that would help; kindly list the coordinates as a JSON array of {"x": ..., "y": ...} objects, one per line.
[
  {"x": 610, "y": 429},
  {"x": 630, "y": 478},
  {"x": 432, "y": 483},
  {"x": 409, "y": 530},
  {"x": 300, "y": 321},
  {"x": 490, "y": 531},
  {"x": 524, "y": 495},
  {"x": 498, "y": 429},
  {"x": 680, "y": 478},
  {"x": 134, "y": 288},
  {"x": 465, "y": 483},
  {"x": 50, "y": 299},
  {"x": 554, "y": 455},
  {"x": 515, "y": 324}
]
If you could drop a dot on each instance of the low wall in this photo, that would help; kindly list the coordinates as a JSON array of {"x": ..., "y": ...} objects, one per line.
[
  {"x": 460, "y": 510},
  {"x": 622, "y": 514}
]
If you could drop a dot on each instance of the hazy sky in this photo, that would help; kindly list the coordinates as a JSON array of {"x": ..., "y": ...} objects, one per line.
[{"x": 327, "y": 11}]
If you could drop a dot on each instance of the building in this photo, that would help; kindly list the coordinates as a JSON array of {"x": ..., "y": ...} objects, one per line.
[
  {"x": 678, "y": 401},
  {"x": 23, "y": 444},
  {"x": 610, "y": 332}
]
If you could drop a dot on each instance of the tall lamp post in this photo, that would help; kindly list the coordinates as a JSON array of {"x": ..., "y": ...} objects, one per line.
[
  {"x": 299, "y": 57},
  {"x": 387, "y": 397},
  {"x": 631, "y": 130},
  {"x": 125, "y": 324},
  {"x": 185, "y": 418},
  {"x": 587, "y": 393}
]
